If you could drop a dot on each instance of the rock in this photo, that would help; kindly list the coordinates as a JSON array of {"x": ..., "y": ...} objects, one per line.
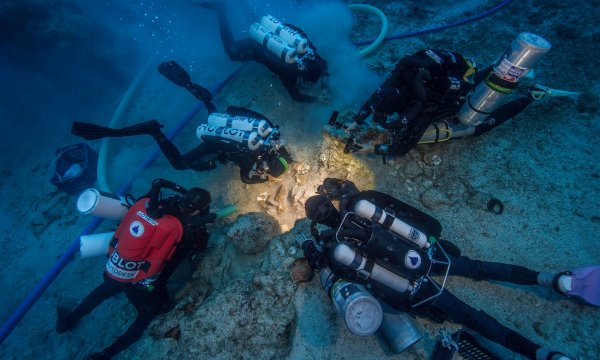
[
  {"x": 242, "y": 321},
  {"x": 412, "y": 170},
  {"x": 280, "y": 197},
  {"x": 434, "y": 198},
  {"x": 301, "y": 271},
  {"x": 251, "y": 232}
]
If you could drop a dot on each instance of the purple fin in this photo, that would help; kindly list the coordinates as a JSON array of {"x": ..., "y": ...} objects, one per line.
[{"x": 586, "y": 284}]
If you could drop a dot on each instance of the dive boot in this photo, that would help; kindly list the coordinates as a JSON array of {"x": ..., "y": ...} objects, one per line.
[{"x": 64, "y": 320}]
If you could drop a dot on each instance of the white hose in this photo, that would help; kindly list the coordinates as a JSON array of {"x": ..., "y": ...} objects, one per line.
[
  {"x": 102, "y": 155},
  {"x": 384, "y": 26}
]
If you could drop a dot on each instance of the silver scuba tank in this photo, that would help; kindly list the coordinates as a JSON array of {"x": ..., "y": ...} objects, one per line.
[
  {"x": 287, "y": 34},
  {"x": 249, "y": 139},
  {"x": 101, "y": 204},
  {"x": 398, "y": 329},
  {"x": 345, "y": 255},
  {"x": 273, "y": 43},
  {"x": 368, "y": 210},
  {"x": 361, "y": 312},
  {"x": 260, "y": 126},
  {"x": 521, "y": 56}
]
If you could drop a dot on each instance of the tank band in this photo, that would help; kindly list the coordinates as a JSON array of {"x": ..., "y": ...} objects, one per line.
[{"x": 389, "y": 220}]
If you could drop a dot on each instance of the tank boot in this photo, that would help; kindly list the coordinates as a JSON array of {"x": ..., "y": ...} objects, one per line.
[{"x": 65, "y": 321}]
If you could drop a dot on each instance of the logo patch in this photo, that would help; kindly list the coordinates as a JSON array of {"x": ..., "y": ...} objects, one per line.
[
  {"x": 412, "y": 260},
  {"x": 435, "y": 57},
  {"x": 150, "y": 220},
  {"x": 136, "y": 229}
]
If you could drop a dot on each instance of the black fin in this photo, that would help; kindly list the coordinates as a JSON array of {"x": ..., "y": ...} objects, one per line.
[
  {"x": 175, "y": 73},
  {"x": 90, "y": 131}
]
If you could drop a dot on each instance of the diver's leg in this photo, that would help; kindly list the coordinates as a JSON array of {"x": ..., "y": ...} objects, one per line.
[
  {"x": 202, "y": 157},
  {"x": 243, "y": 50},
  {"x": 170, "y": 151},
  {"x": 485, "y": 270},
  {"x": 503, "y": 114},
  {"x": 148, "y": 306},
  {"x": 67, "y": 319},
  {"x": 459, "y": 312}
]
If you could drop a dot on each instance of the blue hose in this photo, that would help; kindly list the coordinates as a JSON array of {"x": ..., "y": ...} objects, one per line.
[
  {"x": 443, "y": 27},
  {"x": 53, "y": 273}
]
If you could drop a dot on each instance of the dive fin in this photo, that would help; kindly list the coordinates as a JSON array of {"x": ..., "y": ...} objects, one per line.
[
  {"x": 538, "y": 92},
  {"x": 585, "y": 284},
  {"x": 91, "y": 131},
  {"x": 175, "y": 73}
]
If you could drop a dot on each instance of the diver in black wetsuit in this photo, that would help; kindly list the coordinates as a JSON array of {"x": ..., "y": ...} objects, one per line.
[
  {"x": 269, "y": 158},
  {"x": 429, "y": 87},
  {"x": 141, "y": 269},
  {"x": 363, "y": 243},
  {"x": 303, "y": 73}
]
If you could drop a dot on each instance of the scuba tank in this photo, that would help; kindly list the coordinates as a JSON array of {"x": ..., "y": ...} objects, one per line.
[
  {"x": 260, "y": 126},
  {"x": 345, "y": 255},
  {"x": 95, "y": 244},
  {"x": 361, "y": 312},
  {"x": 398, "y": 329},
  {"x": 368, "y": 210},
  {"x": 292, "y": 37},
  {"x": 273, "y": 43},
  {"x": 101, "y": 204},
  {"x": 249, "y": 139},
  {"x": 523, "y": 53}
]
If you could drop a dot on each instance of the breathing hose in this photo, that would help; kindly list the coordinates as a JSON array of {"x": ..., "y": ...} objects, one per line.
[
  {"x": 384, "y": 26},
  {"x": 442, "y": 27},
  {"x": 102, "y": 154}
]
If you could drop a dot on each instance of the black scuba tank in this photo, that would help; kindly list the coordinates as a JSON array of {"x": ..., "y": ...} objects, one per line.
[{"x": 398, "y": 254}]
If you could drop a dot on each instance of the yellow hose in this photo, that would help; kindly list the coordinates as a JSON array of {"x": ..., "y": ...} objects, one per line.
[{"x": 384, "y": 26}]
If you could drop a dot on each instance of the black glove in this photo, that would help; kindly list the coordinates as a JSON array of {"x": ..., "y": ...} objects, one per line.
[{"x": 316, "y": 258}]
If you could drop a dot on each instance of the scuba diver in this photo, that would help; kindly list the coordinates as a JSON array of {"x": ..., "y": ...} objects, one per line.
[
  {"x": 392, "y": 249},
  {"x": 153, "y": 238},
  {"x": 244, "y": 137},
  {"x": 283, "y": 48},
  {"x": 425, "y": 97}
]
